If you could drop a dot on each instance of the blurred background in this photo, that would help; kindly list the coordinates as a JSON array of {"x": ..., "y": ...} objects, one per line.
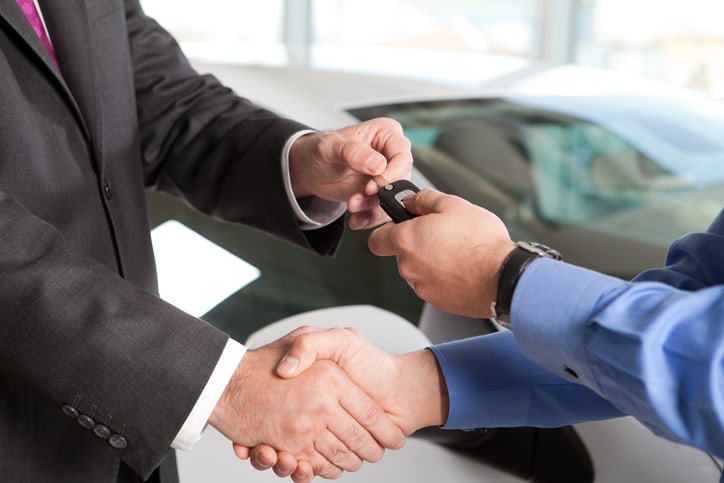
[
  {"x": 464, "y": 41},
  {"x": 593, "y": 126},
  {"x": 589, "y": 125}
]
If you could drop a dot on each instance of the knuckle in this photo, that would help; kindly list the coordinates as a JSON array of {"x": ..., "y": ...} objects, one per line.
[
  {"x": 372, "y": 415},
  {"x": 405, "y": 272},
  {"x": 358, "y": 439},
  {"x": 344, "y": 458},
  {"x": 354, "y": 331},
  {"x": 350, "y": 150},
  {"x": 303, "y": 343}
]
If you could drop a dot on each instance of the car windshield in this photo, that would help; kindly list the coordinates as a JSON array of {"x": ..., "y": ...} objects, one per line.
[{"x": 649, "y": 168}]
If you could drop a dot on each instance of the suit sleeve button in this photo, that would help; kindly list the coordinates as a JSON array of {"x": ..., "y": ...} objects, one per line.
[
  {"x": 102, "y": 431},
  {"x": 86, "y": 421},
  {"x": 70, "y": 411},
  {"x": 117, "y": 441}
]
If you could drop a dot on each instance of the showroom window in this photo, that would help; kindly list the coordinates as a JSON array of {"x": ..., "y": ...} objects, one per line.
[
  {"x": 460, "y": 40},
  {"x": 680, "y": 43},
  {"x": 222, "y": 30},
  {"x": 464, "y": 41}
]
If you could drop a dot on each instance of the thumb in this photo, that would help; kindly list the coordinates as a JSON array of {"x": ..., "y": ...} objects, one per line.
[
  {"x": 361, "y": 158},
  {"x": 311, "y": 347},
  {"x": 424, "y": 202}
]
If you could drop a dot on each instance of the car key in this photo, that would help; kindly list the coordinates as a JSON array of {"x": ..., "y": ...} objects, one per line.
[{"x": 391, "y": 196}]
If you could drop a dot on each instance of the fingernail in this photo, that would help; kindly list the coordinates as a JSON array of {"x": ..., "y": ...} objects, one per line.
[
  {"x": 362, "y": 224},
  {"x": 381, "y": 180},
  {"x": 288, "y": 365}
]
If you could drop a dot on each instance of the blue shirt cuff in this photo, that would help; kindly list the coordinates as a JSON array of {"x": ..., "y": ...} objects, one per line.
[{"x": 552, "y": 305}]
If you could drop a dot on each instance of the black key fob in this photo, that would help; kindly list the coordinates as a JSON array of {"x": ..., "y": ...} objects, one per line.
[{"x": 391, "y": 196}]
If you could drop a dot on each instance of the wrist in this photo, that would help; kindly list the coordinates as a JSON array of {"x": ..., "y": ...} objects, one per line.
[
  {"x": 425, "y": 389},
  {"x": 224, "y": 415},
  {"x": 512, "y": 268}
]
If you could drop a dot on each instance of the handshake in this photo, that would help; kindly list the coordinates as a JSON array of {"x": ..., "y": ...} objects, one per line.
[{"x": 322, "y": 401}]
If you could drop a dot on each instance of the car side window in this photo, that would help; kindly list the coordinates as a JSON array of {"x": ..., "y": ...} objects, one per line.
[{"x": 583, "y": 172}]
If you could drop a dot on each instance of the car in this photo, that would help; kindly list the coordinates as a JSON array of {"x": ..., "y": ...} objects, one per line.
[
  {"x": 608, "y": 179},
  {"x": 607, "y": 174}
]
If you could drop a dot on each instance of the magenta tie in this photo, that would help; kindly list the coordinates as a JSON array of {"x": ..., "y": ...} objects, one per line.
[{"x": 28, "y": 8}]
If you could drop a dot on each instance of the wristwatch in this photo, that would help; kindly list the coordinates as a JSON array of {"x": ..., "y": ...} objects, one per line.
[{"x": 513, "y": 267}]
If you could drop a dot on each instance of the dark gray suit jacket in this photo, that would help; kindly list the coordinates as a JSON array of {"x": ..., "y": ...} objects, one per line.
[{"x": 97, "y": 374}]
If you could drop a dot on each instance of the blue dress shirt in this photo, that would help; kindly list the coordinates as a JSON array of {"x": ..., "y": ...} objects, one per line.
[{"x": 586, "y": 346}]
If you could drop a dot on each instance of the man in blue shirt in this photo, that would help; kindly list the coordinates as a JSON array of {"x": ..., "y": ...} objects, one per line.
[{"x": 583, "y": 345}]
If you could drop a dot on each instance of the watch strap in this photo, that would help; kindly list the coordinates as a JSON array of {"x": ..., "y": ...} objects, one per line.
[{"x": 513, "y": 267}]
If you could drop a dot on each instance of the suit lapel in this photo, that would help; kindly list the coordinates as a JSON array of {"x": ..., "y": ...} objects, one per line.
[
  {"x": 16, "y": 19},
  {"x": 67, "y": 24}
]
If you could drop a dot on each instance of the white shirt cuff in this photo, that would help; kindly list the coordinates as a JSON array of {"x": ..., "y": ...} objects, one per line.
[
  {"x": 316, "y": 212},
  {"x": 197, "y": 420}
]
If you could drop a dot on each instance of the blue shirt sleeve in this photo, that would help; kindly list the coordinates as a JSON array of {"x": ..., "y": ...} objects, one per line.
[
  {"x": 588, "y": 346},
  {"x": 694, "y": 261},
  {"x": 654, "y": 351},
  {"x": 492, "y": 384}
]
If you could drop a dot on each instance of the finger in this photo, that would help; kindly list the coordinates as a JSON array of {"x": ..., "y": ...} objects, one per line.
[
  {"x": 321, "y": 465},
  {"x": 242, "y": 452},
  {"x": 301, "y": 330},
  {"x": 375, "y": 429},
  {"x": 380, "y": 240},
  {"x": 286, "y": 464},
  {"x": 338, "y": 450},
  {"x": 303, "y": 474},
  {"x": 306, "y": 349},
  {"x": 391, "y": 141},
  {"x": 368, "y": 219},
  {"x": 359, "y": 202},
  {"x": 263, "y": 457},
  {"x": 380, "y": 180},
  {"x": 398, "y": 167}
]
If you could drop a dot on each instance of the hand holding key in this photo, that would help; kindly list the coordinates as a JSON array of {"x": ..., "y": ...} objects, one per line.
[{"x": 451, "y": 254}]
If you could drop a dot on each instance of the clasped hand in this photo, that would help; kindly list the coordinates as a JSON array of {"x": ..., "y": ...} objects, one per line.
[
  {"x": 320, "y": 417},
  {"x": 407, "y": 392}
]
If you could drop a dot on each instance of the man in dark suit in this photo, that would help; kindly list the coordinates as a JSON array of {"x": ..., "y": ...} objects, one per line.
[{"x": 98, "y": 377}]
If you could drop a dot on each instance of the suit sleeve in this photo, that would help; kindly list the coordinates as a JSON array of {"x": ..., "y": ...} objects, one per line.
[
  {"x": 78, "y": 334},
  {"x": 202, "y": 142}
]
